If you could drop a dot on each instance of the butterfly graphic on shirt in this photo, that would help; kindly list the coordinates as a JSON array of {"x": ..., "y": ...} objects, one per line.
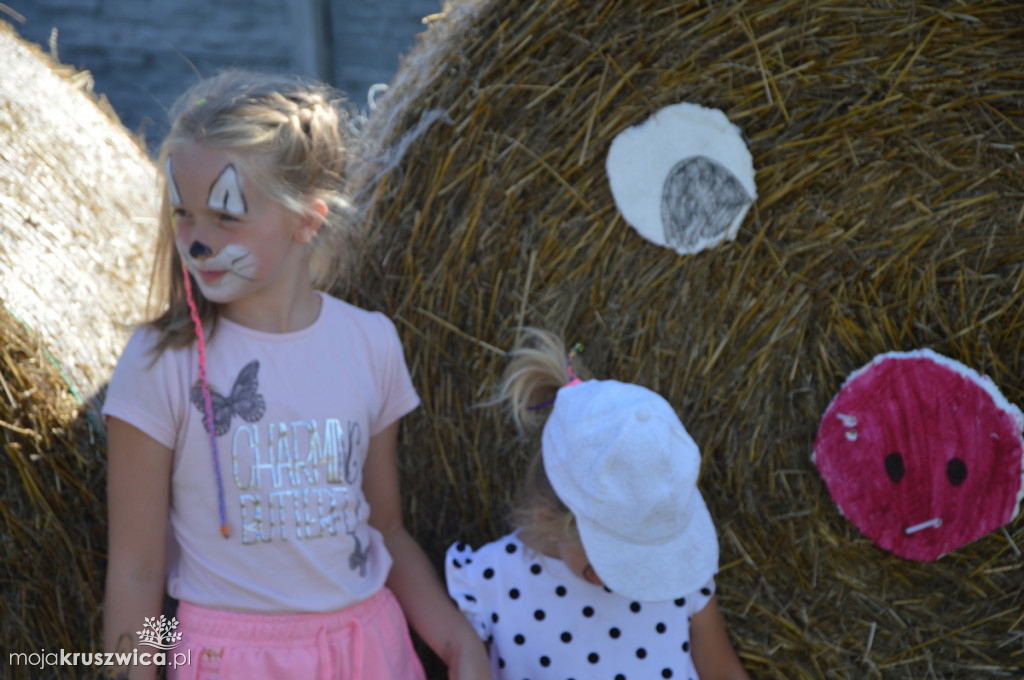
[
  {"x": 244, "y": 401},
  {"x": 359, "y": 557}
]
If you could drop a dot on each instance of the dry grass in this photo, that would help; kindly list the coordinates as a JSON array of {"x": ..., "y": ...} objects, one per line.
[
  {"x": 887, "y": 141},
  {"x": 76, "y": 196},
  {"x": 52, "y": 512}
]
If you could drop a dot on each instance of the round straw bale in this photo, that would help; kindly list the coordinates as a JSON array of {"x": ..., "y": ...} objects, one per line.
[
  {"x": 76, "y": 218},
  {"x": 53, "y": 543},
  {"x": 887, "y": 141},
  {"x": 76, "y": 212}
]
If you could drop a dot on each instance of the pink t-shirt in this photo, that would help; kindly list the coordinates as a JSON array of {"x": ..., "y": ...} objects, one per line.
[{"x": 293, "y": 414}]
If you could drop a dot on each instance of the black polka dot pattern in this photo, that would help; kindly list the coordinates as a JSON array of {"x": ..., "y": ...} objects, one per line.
[{"x": 542, "y": 621}]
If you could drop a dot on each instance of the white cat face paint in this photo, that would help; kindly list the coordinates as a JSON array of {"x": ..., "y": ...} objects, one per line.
[
  {"x": 223, "y": 276},
  {"x": 172, "y": 187},
  {"x": 235, "y": 245},
  {"x": 226, "y": 193}
]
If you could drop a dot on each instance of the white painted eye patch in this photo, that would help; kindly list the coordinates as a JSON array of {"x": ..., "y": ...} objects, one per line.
[
  {"x": 226, "y": 193},
  {"x": 172, "y": 186}
]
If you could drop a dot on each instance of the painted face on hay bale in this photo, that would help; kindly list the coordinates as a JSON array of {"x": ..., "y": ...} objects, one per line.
[
  {"x": 887, "y": 214},
  {"x": 683, "y": 178},
  {"x": 921, "y": 454}
]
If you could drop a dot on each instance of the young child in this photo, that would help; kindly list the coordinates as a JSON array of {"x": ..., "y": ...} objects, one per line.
[
  {"x": 610, "y": 572},
  {"x": 253, "y": 423}
]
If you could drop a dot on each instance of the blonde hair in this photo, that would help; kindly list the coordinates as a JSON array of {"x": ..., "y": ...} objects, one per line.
[
  {"x": 289, "y": 137},
  {"x": 533, "y": 377}
]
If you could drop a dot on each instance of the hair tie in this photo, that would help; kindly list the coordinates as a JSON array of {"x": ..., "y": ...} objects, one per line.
[
  {"x": 207, "y": 400},
  {"x": 573, "y": 379}
]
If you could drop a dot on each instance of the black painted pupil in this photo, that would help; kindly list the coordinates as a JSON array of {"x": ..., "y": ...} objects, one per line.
[
  {"x": 894, "y": 467},
  {"x": 956, "y": 470}
]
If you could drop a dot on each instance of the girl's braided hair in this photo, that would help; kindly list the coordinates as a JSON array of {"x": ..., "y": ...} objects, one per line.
[{"x": 288, "y": 136}]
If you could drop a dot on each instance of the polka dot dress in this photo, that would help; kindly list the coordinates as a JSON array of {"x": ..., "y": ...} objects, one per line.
[{"x": 542, "y": 622}]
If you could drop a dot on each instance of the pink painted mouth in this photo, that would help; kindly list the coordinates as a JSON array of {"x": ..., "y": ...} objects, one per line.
[{"x": 210, "y": 277}]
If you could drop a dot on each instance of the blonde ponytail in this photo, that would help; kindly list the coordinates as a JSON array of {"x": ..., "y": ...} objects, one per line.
[{"x": 537, "y": 370}]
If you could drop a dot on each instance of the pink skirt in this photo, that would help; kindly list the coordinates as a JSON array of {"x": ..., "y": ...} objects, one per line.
[{"x": 367, "y": 640}]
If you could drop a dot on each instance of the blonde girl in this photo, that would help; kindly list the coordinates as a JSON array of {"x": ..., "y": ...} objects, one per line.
[
  {"x": 253, "y": 422},
  {"x": 610, "y": 572}
]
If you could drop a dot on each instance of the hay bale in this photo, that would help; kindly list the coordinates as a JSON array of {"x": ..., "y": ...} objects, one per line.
[
  {"x": 887, "y": 141},
  {"x": 54, "y": 541},
  {"x": 76, "y": 208},
  {"x": 76, "y": 212}
]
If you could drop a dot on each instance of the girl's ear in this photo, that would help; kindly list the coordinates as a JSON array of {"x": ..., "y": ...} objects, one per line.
[{"x": 310, "y": 223}]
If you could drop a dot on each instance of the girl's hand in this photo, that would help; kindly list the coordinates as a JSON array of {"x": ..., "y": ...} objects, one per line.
[
  {"x": 413, "y": 579},
  {"x": 468, "y": 659}
]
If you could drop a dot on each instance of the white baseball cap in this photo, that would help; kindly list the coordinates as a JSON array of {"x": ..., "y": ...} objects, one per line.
[{"x": 619, "y": 458}]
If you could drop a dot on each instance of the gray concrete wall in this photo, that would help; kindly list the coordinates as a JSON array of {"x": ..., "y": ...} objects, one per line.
[
  {"x": 143, "y": 53},
  {"x": 367, "y": 38}
]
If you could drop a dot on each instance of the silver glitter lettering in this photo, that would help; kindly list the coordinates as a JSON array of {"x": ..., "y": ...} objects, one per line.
[
  {"x": 305, "y": 438},
  {"x": 278, "y": 444},
  {"x": 258, "y": 467},
  {"x": 276, "y": 505},
  {"x": 254, "y": 444},
  {"x": 339, "y": 447},
  {"x": 328, "y": 519},
  {"x": 293, "y": 455},
  {"x": 252, "y": 524}
]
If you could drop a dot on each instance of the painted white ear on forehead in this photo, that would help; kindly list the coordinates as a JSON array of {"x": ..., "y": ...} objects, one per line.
[
  {"x": 172, "y": 187},
  {"x": 226, "y": 192}
]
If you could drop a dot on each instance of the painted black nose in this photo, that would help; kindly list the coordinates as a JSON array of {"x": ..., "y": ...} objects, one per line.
[{"x": 198, "y": 249}]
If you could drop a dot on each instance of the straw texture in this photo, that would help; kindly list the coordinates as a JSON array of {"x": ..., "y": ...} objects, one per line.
[
  {"x": 77, "y": 201},
  {"x": 76, "y": 197},
  {"x": 887, "y": 139}
]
